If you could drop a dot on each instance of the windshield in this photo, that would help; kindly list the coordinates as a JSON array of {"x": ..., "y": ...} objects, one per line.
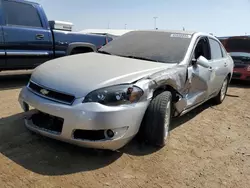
[
  {"x": 239, "y": 57},
  {"x": 156, "y": 46},
  {"x": 237, "y": 44}
]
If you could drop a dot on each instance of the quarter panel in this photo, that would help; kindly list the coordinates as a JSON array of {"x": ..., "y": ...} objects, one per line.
[{"x": 64, "y": 38}]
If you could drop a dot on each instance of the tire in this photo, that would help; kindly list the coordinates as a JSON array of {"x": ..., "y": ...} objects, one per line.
[
  {"x": 155, "y": 124},
  {"x": 223, "y": 91}
]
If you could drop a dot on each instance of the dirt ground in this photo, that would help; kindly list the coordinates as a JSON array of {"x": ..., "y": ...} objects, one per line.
[{"x": 208, "y": 147}]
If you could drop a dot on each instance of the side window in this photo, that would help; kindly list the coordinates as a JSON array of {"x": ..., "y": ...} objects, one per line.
[
  {"x": 216, "y": 52},
  {"x": 21, "y": 14},
  {"x": 202, "y": 49}
]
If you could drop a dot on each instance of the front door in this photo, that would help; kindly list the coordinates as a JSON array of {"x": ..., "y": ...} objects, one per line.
[
  {"x": 200, "y": 78},
  {"x": 28, "y": 42}
]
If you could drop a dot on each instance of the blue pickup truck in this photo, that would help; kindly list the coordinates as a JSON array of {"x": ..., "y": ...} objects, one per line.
[{"x": 28, "y": 39}]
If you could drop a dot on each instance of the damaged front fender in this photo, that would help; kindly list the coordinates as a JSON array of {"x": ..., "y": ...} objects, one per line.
[{"x": 173, "y": 79}]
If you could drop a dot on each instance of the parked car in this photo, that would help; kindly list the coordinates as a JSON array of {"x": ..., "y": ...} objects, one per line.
[
  {"x": 133, "y": 85},
  {"x": 239, "y": 49},
  {"x": 28, "y": 39}
]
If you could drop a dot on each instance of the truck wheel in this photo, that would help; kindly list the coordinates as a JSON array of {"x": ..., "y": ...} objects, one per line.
[
  {"x": 156, "y": 121},
  {"x": 223, "y": 91}
]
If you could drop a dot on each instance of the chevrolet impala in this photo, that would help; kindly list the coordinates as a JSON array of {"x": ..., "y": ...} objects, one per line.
[{"x": 132, "y": 86}]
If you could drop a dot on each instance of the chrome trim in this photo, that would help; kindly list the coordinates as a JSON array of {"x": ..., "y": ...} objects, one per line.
[
  {"x": 28, "y": 53},
  {"x": 50, "y": 88},
  {"x": 2, "y": 53},
  {"x": 52, "y": 99}
]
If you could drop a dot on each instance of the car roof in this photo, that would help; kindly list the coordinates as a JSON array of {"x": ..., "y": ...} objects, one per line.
[{"x": 168, "y": 31}]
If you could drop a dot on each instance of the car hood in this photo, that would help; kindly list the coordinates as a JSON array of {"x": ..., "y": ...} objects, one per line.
[{"x": 83, "y": 73}]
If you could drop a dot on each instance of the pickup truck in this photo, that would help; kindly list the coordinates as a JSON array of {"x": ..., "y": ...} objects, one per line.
[{"x": 28, "y": 39}]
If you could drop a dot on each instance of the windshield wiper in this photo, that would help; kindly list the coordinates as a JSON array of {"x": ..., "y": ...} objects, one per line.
[
  {"x": 141, "y": 58},
  {"x": 134, "y": 57},
  {"x": 104, "y": 52}
]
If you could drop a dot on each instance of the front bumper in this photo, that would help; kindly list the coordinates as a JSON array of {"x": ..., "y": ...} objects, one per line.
[
  {"x": 241, "y": 74},
  {"x": 87, "y": 116}
]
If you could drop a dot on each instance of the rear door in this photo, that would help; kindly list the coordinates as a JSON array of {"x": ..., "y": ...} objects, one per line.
[
  {"x": 219, "y": 66},
  {"x": 28, "y": 41}
]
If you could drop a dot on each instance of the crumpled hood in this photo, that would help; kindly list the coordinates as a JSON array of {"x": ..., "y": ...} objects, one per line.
[{"x": 83, "y": 73}]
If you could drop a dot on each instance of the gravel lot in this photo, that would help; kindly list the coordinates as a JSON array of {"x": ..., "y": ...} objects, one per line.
[{"x": 208, "y": 147}]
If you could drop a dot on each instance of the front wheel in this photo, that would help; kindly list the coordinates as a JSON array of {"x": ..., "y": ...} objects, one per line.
[
  {"x": 155, "y": 125},
  {"x": 223, "y": 91}
]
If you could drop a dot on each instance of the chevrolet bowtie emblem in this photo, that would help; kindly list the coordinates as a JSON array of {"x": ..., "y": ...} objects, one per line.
[{"x": 44, "y": 91}]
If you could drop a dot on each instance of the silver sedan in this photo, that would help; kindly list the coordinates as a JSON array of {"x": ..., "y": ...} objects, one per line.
[{"x": 132, "y": 86}]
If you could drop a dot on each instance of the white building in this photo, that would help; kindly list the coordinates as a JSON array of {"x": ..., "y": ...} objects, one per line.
[{"x": 112, "y": 32}]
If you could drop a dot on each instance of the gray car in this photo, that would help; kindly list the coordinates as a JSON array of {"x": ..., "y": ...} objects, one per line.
[{"x": 133, "y": 85}]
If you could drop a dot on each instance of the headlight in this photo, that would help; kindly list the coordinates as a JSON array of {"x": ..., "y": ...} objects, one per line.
[{"x": 115, "y": 95}]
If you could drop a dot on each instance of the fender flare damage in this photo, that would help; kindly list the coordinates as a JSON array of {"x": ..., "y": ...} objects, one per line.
[{"x": 172, "y": 79}]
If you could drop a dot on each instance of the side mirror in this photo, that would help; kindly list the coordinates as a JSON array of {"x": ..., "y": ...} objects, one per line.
[{"x": 202, "y": 61}]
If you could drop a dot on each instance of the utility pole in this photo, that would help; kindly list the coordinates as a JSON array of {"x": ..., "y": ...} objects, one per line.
[
  {"x": 155, "y": 21},
  {"x": 125, "y": 26},
  {"x": 108, "y": 25}
]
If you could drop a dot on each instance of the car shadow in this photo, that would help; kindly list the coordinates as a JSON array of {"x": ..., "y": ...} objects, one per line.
[
  {"x": 52, "y": 158},
  {"x": 178, "y": 121},
  {"x": 13, "y": 80},
  {"x": 239, "y": 84},
  {"x": 140, "y": 149},
  {"x": 46, "y": 156}
]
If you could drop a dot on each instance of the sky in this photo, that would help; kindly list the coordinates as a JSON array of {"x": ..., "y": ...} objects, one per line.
[{"x": 220, "y": 17}]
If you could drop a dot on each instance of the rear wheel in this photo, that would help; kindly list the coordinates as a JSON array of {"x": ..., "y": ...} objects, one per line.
[
  {"x": 223, "y": 91},
  {"x": 156, "y": 121}
]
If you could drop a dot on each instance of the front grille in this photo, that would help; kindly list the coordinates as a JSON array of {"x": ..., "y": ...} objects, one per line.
[
  {"x": 92, "y": 135},
  {"x": 51, "y": 94},
  {"x": 236, "y": 75},
  {"x": 240, "y": 66},
  {"x": 47, "y": 122}
]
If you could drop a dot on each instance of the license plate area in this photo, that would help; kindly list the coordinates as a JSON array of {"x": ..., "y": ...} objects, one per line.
[{"x": 47, "y": 122}]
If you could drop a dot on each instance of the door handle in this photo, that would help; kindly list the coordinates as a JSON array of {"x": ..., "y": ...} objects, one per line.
[{"x": 39, "y": 36}]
